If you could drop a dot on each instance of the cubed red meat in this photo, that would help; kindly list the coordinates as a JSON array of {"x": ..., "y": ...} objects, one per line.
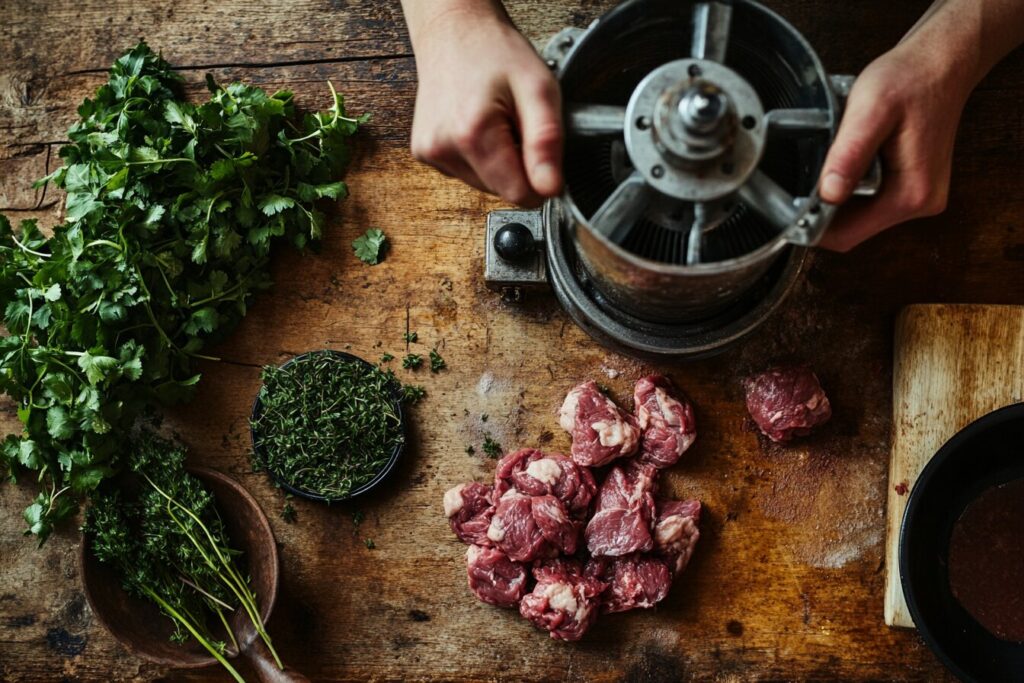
[
  {"x": 625, "y": 512},
  {"x": 637, "y": 581},
  {"x": 528, "y": 528},
  {"x": 469, "y": 510},
  {"x": 564, "y": 601},
  {"x": 601, "y": 431},
  {"x": 666, "y": 421},
  {"x": 787, "y": 402},
  {"x": 534, "y": 473},
  {"x": 676, "y": 531},
  {"x": 493, "y": 577}
]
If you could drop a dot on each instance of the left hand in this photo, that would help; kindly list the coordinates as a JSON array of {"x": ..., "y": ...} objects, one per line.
[{"x": 905, "y": 106}]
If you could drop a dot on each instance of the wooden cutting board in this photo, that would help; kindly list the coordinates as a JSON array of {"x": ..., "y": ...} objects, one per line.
[{"x": 953, "y": 364}]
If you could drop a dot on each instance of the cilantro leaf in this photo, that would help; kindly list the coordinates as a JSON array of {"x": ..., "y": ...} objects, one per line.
[{"x": 371, "y": 246}]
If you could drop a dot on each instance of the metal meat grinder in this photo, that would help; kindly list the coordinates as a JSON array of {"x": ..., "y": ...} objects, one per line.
[{"x": 695, "y": 135}]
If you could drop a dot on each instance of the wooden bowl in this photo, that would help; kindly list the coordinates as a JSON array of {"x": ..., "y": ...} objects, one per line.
[{"x": 140, "y": 626}]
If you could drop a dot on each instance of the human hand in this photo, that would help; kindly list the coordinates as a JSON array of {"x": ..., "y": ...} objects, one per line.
[
  {"x": 906, "y": 105},
  {"x": 488, "y": 110}
]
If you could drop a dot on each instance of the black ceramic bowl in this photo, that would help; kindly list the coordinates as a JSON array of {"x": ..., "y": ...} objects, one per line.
[
  {"x": 396, "y": 454},
  {"x": 986, "y": 453}
]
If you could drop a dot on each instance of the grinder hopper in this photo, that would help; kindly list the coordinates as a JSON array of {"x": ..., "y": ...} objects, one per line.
[{"x": 695, "y": 134}]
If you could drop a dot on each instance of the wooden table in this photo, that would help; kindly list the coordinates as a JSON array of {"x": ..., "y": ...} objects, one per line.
[{"x": 787, "y": 579}]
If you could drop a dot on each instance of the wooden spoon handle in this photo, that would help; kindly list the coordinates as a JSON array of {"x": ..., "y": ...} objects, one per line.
[{"x": 266, "y": 668}]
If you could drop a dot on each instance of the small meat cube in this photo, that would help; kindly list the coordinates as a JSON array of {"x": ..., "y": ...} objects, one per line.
[
  {"x": 787, "y": 402},
  {"x": 534, "y": 473},
  {"x": 564, "y": 602},
  {"x": 601, "y": 431},
  {"x": 636, "y": 581},
  {"x": 624, "y": 514},
  {"x": 528, "y": 528},
  {"x": 554, "y": 523},
  {"x": 469, "y": 510},
  {"x": 676, "y": 533},
  {"x": 493, "y": 577},
  {"x": 666, "y": 421}
]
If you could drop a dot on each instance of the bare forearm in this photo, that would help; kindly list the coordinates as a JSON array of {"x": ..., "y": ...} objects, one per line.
[
  {"x": 970, "y": 36},
  {"x": 421, "y": 14}
]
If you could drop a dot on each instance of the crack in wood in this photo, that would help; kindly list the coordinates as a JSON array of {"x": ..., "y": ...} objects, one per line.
[{"x": 264, "y": 65}]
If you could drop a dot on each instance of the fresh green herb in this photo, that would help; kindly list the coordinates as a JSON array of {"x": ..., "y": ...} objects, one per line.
[
  {"x": 169, "y": 546},
  {"x": 370, "y": 545},
  {"x": 386, "y": 358},
  {"x": 411, "y": 337},
  {"x": 172, "y": 209},
  {"x": 412, "y": 361},
  {"x": 491, "y": 447},
  {"x": 357, "y": 518},
  {"x": 288, "y": 513},
  {"x": 436, "y": 362},
  {"x": 470, "y": 450},
  {"x": 412, "y": 393},
  {"x": 371, "y": 246},
  {"x": 327, "y": 424}
]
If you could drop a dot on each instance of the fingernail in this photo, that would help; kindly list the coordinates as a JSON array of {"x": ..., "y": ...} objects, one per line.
[
  {"x": 545, "y": 177},
  {"x": 834, "y": 187}
]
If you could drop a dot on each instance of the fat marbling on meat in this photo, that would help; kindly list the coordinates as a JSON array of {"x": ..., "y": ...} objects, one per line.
[
  {"x": 534, "y": 473},
  {"x": 676, "y": 531},
  {"x": 469, "y": 510},
  {"x": 787, "y": 402},
  {"x": 625, "y": 512},
  {"x": 601, "y": 431},
  {"x": 636, "y": 581},
  {"x": 528, "y": 528},
  {"x": 666, "y": 421},
  {"x": 564, "y": 601},
  {"x": 493, "y": 577}
]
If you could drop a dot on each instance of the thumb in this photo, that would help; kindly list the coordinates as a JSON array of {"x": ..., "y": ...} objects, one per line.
[
  {"x": 865, "y": 126},
  {"x": 539, "y": 110}
]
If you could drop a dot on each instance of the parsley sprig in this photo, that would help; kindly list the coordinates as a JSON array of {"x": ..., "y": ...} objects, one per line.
[{"x": 172, "y": 209}]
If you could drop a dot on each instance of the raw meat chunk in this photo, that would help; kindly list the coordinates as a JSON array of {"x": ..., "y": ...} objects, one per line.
[
  {"x": 528, "y": 528},
  {"x": 468, "y": 509},
  {"x": 601, "y": 431},
  {"x": 787, "y": 402},
  {"x": 625, "y": 512},
  {"x": 493, "y": 577},
  {"x": 564, "y": 602},
  {"x": 676, "y": 533},
  {"x": 666, "y": 421},
  {"x": 535, "y": 473},
  {"x": 634, "y": 581}
]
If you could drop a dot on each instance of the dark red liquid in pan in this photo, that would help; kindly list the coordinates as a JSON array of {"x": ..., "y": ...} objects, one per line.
[{"x": 986, "y": 560}]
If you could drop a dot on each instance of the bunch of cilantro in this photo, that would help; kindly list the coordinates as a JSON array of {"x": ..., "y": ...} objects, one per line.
[{"x": 172, "y": 210}]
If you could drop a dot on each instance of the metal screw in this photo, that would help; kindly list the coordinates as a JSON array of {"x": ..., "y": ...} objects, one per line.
[
  {"x": 552, "y": 64},
  {"x": 694, "y": 71},
  {"x": 566, "y": 42},
  {"x": 657, "y": 171},
  {"x": 643, "y": 123}
]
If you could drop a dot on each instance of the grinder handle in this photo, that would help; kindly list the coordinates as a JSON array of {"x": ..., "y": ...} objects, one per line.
[{"x": 871, "y": 183}]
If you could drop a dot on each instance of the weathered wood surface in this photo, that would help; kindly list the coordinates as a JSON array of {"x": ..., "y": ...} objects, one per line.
[
  {"x": 953, "y": 364},
  {"x": 788, "y": 579}
]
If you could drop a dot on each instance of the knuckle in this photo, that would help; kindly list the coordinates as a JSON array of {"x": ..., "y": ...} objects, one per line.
[
  {"x": 468, "y": 133},
  {"x": 546, "y": 134},
  {"x": 428, "y": 149}
]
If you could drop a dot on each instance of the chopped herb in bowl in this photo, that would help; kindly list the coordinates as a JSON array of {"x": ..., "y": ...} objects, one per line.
[{"x": 327, "y": 425}]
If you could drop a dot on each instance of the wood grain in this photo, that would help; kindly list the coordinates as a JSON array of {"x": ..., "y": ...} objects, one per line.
[
  {"x": 953, "y": 364},
  {"x": 787, "y": 581}
]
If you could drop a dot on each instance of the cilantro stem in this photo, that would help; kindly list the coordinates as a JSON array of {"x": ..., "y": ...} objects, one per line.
[{"x": 26, "y": 249}]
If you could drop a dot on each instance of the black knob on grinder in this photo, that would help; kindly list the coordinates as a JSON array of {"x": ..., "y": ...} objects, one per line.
[{"x": 514, "y": 242}]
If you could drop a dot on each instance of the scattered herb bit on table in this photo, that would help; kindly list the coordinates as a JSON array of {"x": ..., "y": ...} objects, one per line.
[
  {"x": 371, "y": 246},
  {"x": 288, "y": 513},
  {"x": 327, "y": 424},
  {"x": 172, "y": 209},
  {"x": 370, "y": 545},
  {"x": 485, "y": 417},
  {"x": 491, "y": 447},
  {"x": 470, "y": 450},
  {"x": 168, "y": 545},
  {"x": 413, "y": 393},
  {"x": 412, "y": 361},
  {"x": 436, "y": 362},
  {"x": 357, "y": 518},
  {"x": 386, "y": 358},
  {"x": 411, "y": 337}
]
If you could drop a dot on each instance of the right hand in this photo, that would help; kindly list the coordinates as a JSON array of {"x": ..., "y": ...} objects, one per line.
[{"x": 488, "y": 110}]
